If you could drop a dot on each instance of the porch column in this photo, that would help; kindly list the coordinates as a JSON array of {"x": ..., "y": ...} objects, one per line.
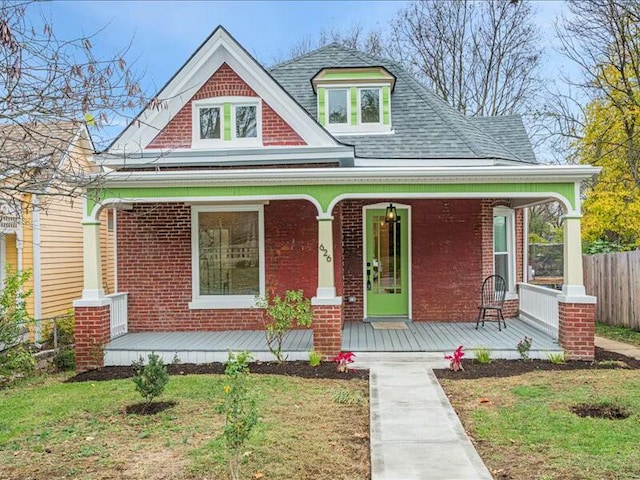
[
  {"x": 92, "y": 262},
  {"x": 327, "y": 308},
  {"x": 93, "y": 311},
  {"x": 576, "y": 310}
]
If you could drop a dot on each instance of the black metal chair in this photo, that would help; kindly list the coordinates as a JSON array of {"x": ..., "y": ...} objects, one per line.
[{"x": 494, "y": 290}]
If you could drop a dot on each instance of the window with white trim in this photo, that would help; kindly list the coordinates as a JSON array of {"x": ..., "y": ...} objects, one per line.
[
  {"x": 504, "y": 245},
  {"x": 338, "y": 106},
  {"x": 227, "y": 255},
  {"x": 227, "y": 122},
  {"x": 369, "y": 105}
]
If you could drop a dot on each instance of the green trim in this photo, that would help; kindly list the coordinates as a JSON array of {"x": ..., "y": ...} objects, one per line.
[
  {"x": 373, "y": 75},
  {"x": 325, "y": 194},
  {"x": 386, "y": 107},
  {"x": 321, "y": 106},
  {"x": 227, "y": 121},
  {"x": 354, "y": 105}
]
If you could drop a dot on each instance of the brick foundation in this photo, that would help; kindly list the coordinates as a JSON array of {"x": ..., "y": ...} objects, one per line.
[
  {"x": 327, "y": 330},
  {"x": 92, "y": 332},
  {"x": 576, "y": 327}
]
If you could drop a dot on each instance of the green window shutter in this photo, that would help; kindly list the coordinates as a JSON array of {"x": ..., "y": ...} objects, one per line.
[
  {"x": 321, "y": 106},
  {"x": 354, "y": 106},
  {"x": 227, "y": 121},
  {"x": 386, "y": 106}
]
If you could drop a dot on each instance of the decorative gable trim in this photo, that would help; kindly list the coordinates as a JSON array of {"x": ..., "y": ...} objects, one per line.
[{"x": 220, "y": 48}]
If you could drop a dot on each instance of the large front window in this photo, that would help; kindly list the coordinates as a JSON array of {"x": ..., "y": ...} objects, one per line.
[{"x": 228, "y": 251}]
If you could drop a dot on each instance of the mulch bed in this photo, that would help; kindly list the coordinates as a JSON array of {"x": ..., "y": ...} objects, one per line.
[
  {"x": 508, "y": 368},
  {"x": 294, "y": 369}
]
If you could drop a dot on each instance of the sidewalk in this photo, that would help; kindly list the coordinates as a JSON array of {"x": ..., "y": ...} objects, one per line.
[
  {"x": 618, "y": 347},
  {"x": 415, "y": 433}
]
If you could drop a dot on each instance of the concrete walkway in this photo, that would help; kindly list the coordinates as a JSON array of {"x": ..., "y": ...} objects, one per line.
[
  {"x": 618, "y": 347},
  {"x": 415, "y": 433}
]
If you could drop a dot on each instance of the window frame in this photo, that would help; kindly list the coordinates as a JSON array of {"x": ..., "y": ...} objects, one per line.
[
  {"x": 199, "y": 301},
  {"x": 221, "y": 102},
  {"x": 346, "y": 89},
  {"x": 510, "y": 218},
  {"x": 380, "y": 106}
]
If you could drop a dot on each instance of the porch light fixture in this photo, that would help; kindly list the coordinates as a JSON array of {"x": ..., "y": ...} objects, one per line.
[{"x": 391, "y": 216}]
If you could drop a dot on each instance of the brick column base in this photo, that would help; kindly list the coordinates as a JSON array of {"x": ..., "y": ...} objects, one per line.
[
  {"x": 576, "y": 330},
  {"x": 510, "y": 308},
  {"x": 92, "y": 332},
  {"x": 327, "y": 330}
]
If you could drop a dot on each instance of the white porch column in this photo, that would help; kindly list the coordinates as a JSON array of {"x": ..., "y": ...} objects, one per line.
[
  {"x": 92, "y": 261},
  {"x": 326, "y": 284},
  {"x": 573, "y": 282}
]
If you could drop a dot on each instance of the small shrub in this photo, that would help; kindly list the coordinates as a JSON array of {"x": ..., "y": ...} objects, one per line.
[
  {"x": 345, "y": 396},
  {"x": 483, "y": 355},
  {"x": 65, "y": 359},
  {"x": 523, "y": 347},
  {"x": 556, "y": 358},
  {"x": 314, "y": 358},
  {"x": 343, "y": 360},
  {"x": 64, "y": 331},
  {"x": 15, "y": 358},
  {"x": 282, "y": 313},
  {"x": 455, "y": 360},
  {"x": 150, "y": 379},
  {"x": 238, "y": 408}
]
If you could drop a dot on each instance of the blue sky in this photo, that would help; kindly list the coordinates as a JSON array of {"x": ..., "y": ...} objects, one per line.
[{"x": 164, "y": 34}]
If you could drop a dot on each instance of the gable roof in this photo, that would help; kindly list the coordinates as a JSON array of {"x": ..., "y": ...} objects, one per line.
[
  {"x": 425, "y": 126},
  {"x": 219, "y": 48}
]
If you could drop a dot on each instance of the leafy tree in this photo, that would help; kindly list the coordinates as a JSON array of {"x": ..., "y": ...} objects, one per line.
[
  {"x": 49, "y": 86},
  {"x": 14, "y": 356}
]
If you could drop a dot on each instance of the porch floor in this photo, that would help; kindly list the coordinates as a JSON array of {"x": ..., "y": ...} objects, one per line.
[
  {"x": 447, "y": 336},
  {"x": 205, "y": 347}
]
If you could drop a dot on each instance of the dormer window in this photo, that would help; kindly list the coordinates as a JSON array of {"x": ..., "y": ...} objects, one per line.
[
  {"x": 225, "y": 122},
  {"x": 354, "y": 101}
]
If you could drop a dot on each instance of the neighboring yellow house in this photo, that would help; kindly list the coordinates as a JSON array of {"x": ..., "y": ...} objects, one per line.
[{"x": 42, "y": 232}]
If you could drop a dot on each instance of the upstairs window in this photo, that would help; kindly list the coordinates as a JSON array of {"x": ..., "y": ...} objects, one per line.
[
  {"x": 370, "y": 105},
  {"x": 338, "y": 110},
  {"x": 225, "y": 122}
]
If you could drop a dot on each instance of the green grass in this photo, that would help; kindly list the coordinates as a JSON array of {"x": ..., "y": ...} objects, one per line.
[
  {"x": 528, "y": 430},
  {"x": 51, "y": 429},
  {"x": 621, "y": 334}
]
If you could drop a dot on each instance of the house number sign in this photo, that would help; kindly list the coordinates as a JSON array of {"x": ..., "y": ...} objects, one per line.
[{"x": 325, "y": 253}]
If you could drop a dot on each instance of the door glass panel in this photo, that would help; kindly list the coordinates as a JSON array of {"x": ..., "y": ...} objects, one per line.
[{"x": 387, "y": 256}]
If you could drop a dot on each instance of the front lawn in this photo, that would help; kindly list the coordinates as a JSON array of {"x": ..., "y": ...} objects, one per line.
[
  {"x": 51, "y": 429},
  {"x": 524, "y": 428},
  {"x": 621, "y": 334}
]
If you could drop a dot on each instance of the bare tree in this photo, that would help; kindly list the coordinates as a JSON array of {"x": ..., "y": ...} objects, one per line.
[
  {"x": 602, "y": 37},
  {"x": 372, "y": 41},
  {"x": 480, "y": 57},
  {"x": 49, "y": 88}
]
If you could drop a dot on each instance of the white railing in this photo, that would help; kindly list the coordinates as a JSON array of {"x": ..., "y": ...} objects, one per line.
[
  {"x": 119, "y": 320},
  {"x": 539, "y": 306},
  {"x": 9, "y": 223}
]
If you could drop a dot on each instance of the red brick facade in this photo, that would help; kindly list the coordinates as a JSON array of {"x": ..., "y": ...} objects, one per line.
[
  {"x": 154, "y": 265},
  {"x": 92, "y": 331},
  {"x": 452, "y": 252},
  {"x": 225, "y": 82},
  {"x": 577, "y": 323}
]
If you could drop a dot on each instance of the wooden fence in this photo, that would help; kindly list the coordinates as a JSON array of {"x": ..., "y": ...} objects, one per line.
[{"x": 615, "y": 279}]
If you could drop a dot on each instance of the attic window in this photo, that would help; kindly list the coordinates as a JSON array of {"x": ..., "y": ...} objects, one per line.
[
  {"x": 354, "y": 101},
  {"x": 225, "y": 122}
]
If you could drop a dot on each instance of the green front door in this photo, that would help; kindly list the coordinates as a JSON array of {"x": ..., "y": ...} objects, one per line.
[{"x": 387, "y": 264}]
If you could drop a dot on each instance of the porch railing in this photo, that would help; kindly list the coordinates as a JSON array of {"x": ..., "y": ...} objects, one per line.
[
  {"x": 539, "y": 307},
  {"x": 119, "y": 319}
]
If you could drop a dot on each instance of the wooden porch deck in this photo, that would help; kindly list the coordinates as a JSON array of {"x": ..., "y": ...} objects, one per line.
[{"x": 205, "y": 347}]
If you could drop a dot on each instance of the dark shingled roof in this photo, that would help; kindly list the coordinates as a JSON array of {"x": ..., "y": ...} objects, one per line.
[{"x": 425, "y": 126}]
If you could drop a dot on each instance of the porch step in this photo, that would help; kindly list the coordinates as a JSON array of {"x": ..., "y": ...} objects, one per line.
[{"x": 387, "y": 319}]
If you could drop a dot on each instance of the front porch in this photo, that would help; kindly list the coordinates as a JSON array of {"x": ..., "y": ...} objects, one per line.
[{"x": 439, "y": 337}]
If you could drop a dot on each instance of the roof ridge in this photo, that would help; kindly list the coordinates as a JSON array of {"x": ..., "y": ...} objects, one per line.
[{"x": 302, "y": 55}]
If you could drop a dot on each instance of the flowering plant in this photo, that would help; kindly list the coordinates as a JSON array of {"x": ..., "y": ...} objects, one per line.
[
  {"x": 344, "y": 359},
  {"x": 455, "y": 359},
  {"x": 523, "y": 347}
]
